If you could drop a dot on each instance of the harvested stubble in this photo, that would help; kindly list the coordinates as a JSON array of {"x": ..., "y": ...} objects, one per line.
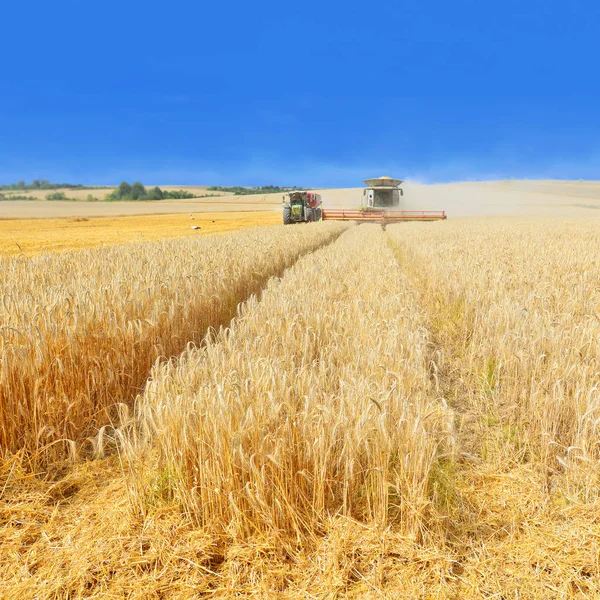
[
  {"x": 80, "y": 331},
  {"x": 317, "y": 402}
]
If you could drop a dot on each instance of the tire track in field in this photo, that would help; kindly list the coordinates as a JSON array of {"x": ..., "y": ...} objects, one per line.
[
  {"x": 505, "y": 527},
  {"x": 485, "y": 502},
  {"x": 449, "y": 322},
  {"x": 120, "y": 313},
  {"x": 241, "y": 293},
  {"x": 228, "y": 310}
]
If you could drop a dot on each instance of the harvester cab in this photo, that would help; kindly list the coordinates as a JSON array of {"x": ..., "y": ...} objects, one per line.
[
  {"x": 301, "y": 207},
  {"x": 382, "y": 192}
]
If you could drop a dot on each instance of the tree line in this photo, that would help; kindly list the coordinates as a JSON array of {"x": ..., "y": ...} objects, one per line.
[
  {"x": 42, "y": 184},
  {"x": 239, "y": 190},
  {"x": 137, "y": 191}
]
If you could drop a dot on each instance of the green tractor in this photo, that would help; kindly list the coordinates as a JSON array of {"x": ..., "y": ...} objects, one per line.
[{"x": 301, "y": 207}]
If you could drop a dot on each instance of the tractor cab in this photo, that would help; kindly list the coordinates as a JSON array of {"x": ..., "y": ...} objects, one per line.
[
  {"x": 301, "y": 207},
  {"x": 298, "y": 202}
]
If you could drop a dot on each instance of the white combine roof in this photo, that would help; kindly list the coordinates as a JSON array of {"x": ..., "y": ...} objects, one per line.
[{"x": 383, "y": 182}]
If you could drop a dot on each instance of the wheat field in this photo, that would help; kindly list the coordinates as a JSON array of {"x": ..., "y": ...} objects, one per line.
[
  {"x": 34, "y": 236},
  {"x": 81, "y": 330},
  {"x": 319, "y": 411}
]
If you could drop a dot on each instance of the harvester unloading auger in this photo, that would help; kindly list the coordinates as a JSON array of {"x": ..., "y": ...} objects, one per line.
[{"x": 380, "y": 202}]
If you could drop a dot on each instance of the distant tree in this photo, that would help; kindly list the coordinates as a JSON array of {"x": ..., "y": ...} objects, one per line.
[
  {"x": 243, "y": 191},
  {"x": 124, "y": 190},
  {"x": 178, "y": 195},
  {"x": 56, "y": 196},
  {"x": 155, "y": 194},
  {"x": 138, "y": 191},
  {"x": 21, "y": 185}
]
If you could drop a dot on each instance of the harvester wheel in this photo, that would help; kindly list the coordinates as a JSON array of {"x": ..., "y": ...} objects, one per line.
[
  {"x": 310, "y": 215},
  {"x": 287, "y": 215}
]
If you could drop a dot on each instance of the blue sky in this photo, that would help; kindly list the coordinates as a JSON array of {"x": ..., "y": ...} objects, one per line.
[{"x": 298, "y": 93}]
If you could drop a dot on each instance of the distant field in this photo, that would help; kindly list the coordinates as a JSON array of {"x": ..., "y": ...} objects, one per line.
[
  {"x": 24, "y": 209},
  {"x": 33, "y": 226},
  {"x": 31, "y": 236},
  {"x": 487, "y": 198}
]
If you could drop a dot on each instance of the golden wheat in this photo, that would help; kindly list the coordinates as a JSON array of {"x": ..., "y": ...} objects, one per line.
[
  {"x": 525, "y": 298},
  {"x": 405, "y": 414},
  {"x": 80, "y": 331},
  {"x": 33, "y": 236},
  {"x": 316, "y": 402}
]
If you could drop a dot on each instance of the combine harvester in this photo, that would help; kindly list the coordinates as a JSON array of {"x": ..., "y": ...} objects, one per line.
[{"x": 380, "y": 202}]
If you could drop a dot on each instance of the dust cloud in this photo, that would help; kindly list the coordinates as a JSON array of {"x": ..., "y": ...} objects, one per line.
[{"x": 494, "y": 198}]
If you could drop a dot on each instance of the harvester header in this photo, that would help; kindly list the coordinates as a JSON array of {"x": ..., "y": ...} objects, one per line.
[{"x": 382, "y": 216}]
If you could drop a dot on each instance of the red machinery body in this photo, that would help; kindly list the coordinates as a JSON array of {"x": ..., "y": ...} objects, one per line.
[
  {"x": 313, "y": 200},
  {"x": 382, "y": 216}
]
